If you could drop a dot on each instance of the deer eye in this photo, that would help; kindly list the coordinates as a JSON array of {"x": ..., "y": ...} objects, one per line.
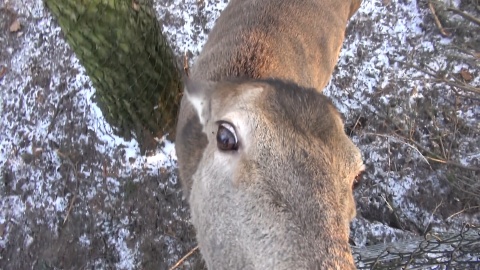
[{"x": 226, "y": 137}]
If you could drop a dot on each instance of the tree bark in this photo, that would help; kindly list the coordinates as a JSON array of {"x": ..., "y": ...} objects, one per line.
[{"x": 130, "y": 63}]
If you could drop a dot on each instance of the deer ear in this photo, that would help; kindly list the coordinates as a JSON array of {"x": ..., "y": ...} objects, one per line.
[{"x": 197, "y": 93}]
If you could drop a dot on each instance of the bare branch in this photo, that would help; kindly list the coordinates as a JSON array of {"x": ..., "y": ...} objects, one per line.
[
  {"x": 466, "y": 16},
  {"x": 437, "y": 21},
  {"x": 184, "y": 258}
]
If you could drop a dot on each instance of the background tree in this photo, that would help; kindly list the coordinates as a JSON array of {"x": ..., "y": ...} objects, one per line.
[{"x": 131, "y": 64}]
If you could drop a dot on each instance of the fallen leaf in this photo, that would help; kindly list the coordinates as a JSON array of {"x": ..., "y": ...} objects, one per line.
[
  {"x": 37, "y": 151},
  {"x": 466, "y": 75},
  {"x": 15, "y": 26},
  {"x": 3, "y": 71}
]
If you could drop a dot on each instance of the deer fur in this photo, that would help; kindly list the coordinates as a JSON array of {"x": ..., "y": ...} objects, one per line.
[{"x": 283, "y": 199}]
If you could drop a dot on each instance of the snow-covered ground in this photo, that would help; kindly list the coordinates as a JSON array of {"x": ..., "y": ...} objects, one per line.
[{"x": 69, "y": 186}]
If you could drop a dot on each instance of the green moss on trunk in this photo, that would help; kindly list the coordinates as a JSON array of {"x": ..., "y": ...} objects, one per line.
[{"x": 131, "y": 64}]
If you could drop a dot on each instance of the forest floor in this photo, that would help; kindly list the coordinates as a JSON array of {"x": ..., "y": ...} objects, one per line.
[{"x": 75, "y": 196}]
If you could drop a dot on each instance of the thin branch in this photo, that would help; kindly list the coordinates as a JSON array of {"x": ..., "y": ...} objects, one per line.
[
  {"x": 180, "y": 262},
  {"x": 400, "y": 140},
  {"x": 466, "y": 16},
  {"x": 456, "y": 164},
  {"x": 464, "y": 87},
  {"x": 442, "y": 79},
  {"x": 58, "y": 109},
  {"x": 429, "y": 226},
  {"x": 356, "y": 123},
  {"x": 437, "y": 21},
  {"x": 186, "y": 68},
  {"x": 438, "y": 159},
  {"x": 459, "y": 212},
  {"x": 70, "y": 207},
  {"x": 418, "y": 146},
  {"x": 417, "y": 68}
]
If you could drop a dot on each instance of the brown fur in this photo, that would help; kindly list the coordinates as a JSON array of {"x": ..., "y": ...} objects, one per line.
[{"x": 284, "y": 199}]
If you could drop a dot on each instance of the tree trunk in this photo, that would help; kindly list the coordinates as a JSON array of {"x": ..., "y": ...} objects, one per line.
[{"x": 131, "y": 65}]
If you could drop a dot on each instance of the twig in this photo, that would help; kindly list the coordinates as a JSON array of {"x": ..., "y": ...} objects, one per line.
[
  {"x": 459, "y": 212},
  {"x": 466, "y": 186},
  {"x": 417, "y": 68},
  {"x": 417, "y": 146},
  {"x": 463, "y": 87},
  {"x": 436, "y": 158},
  {"x": 457, "y": 92},
  {"x": 70, "y": 208},
  {"x": 437, "y": 21},
  {"x": 456, "y": 164},
  {"x": 184, "y": 258},
  {"x": 75, "y": 175},
  {"x": 442, "y": 79},
  {"x": 469, "y": 59},
  {"x": 442, "y": 147},
  {"x": 429, "y": 226},
  {"x": 395, "y": 138},
  {"x": 58, "y": 109},
  {"x": 455, "y": 127},
  {"x": 186, "y": 68},
  {"x": 356, "y": 123},
  {"x": 465, "y": 15},
  {"x": 388, "y": 204}
]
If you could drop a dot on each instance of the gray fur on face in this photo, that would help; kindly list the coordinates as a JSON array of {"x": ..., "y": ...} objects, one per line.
[{"x": 283, "y": 199}]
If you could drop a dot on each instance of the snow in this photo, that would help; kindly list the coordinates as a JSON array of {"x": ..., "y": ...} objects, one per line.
[
  {"x": 26, "y": 126},
  {"x": 397, "y": 38},
  {"x": 187, "y": 38}
]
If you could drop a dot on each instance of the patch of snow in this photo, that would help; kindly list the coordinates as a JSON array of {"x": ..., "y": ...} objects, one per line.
[
  {"x": 84, "y": 241},
  {"x": 369, "y": 65},
  {"x": 127, "y": 255}
]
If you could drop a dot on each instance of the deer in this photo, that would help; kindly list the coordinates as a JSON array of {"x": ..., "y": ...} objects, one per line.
[{"x": 262, "y": 154}]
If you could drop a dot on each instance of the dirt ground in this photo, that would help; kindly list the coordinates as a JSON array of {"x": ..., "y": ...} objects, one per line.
[{"x": 72, "y": 196}]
